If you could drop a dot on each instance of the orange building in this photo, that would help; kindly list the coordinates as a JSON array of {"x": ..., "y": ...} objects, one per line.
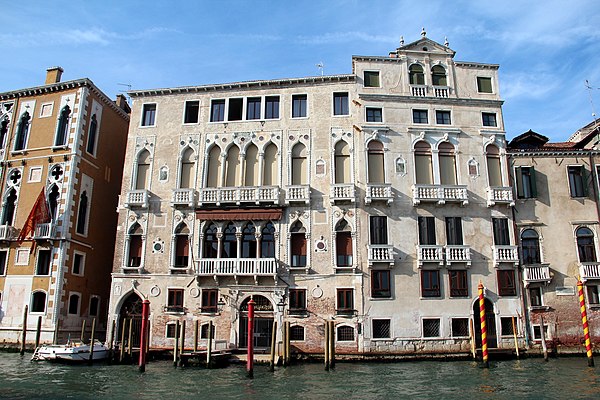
[{"x": 64, "y": 143}]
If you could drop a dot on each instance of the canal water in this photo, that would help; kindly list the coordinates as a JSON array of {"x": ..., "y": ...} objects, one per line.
[{"x": 515, "y": 379}]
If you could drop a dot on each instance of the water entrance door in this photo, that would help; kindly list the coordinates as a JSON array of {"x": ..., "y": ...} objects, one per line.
[
  {"x": 490, "y": 322},
  {"x": 263, "y": 323}
]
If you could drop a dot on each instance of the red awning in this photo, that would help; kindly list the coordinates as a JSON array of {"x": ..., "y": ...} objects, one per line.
[{"x": 256, "y": 214}]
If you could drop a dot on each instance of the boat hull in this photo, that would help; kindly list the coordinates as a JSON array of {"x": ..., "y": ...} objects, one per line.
[{"x": 70, "y": 354}]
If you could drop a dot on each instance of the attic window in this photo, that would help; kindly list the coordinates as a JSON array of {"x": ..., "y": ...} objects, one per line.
[{"x": 425, "y": 49}]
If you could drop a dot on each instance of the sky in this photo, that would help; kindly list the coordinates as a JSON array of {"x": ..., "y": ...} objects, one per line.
[{"x": 546, "y": 50}]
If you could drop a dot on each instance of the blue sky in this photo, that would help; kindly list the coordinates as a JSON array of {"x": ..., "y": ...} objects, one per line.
[{"x": 546, "y": 49}]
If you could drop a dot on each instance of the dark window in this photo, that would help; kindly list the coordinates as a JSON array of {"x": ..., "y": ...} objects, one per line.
[
  {"x": 217, "y": 111},
  {"x": 299, "y": 102},
  {"x": 211, "y": 242},
  {"x": 175, "y": 300},
  {"x": 526, "y": 187},
  {"x": 506, "y": 326},
  {"x": 430, "y": 283},
  {"x": 272, "y": 107},
  {"x": 431, "y": 327},
  {"x": 38, "y": 302},
  {"x": 297, "y": 300},
  {"x": 484, "y": 85},
  {"x": 459, "y": 285},
  {"x": 267, "y": 241},
  {"x": 204, "y": 331},
  {"x": 8, "y": 213},
  {"x": 537, "y": 332},
  {"x": 506, "y": 282},
  {"x": 298, "y": 249},
  {"x": 535, "y": 296},
  {"x": 235, "y": 109},
  {"x": 460, "y": 327},
  {"x": 94, "y": 306},
  {"x": 380, "y": 284},
  {"x": 345, "y": 301},
  {"x": 442, "y": 117},
  {"x": 22, "y": 131},
  {"x": 148, "y": 114},
  {"x": 381, "y": 329},
  {"x": 82, "y": 213},
  {"x": 229, "y": 242},
  {"x": 53, "y": 202},
  {"x": 371, "y": 79},
  {"x": 592, "y": 292},
  {"x": 489, "y": 119},
  {"x": 3, "y": 258},
  {"x": 77, "y": 264},
  {"x": 249, "y": 241},
  {"x": 379, "y": 230},
  {"x": 192, "y": 108},
  {"x": 577, "y": 180},
  {"x": 501, "y": 236},
  {"x": 345, "y": 333},
  {"x": 454, "y": 235},
  {"x": 585, "y": 245},
  {"x": 182, "y": 248},
  {"x": 530, "y": 244},
  {"x": 3, "y": 131},
  {"x": 91, "y": 143},
  {"x": 340, "y": 104},
  {"x": 297, "y": 333},
  {"x": 427, "y": 231},
  {"x": 343, "y": 245},
  {"x": 438, "y": 75},
  {"x": 209, "y": 300},
  {"x": 74, "y": 304},
  {"x": 416, "y": 75},
  {"x": 374, "y": 114},
  {"x": 135, "y": 251},
  {"x": 62, "y": 133},
  {"x": 420, "y": 117},
  {"x": 253, "y": 108},
  {"x": 44, "y": 259},
  {"x": 171, "y": 331}
]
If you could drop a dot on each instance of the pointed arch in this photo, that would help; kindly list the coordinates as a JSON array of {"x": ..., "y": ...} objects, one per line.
[
  {"x": 270, "y": 170},
  {"x": 82, "y": 213},
  {"x": 3, "y": 130},
  {"x": 299, "y": 170},
  {"x": 232, "y": 167},
  {"x": 53, "y": 202},
  {"x": 249, "y": 244},
  {"x": 92, "y": 135},
  {"x": 423, "y": 163},
  {"x": 251, "y": 170},
  {"x": 494, "y": 167},
  {"x": 136, "y": 244},
  {"x": 342, "y": 162},
  {"x": 267, "y": 241},
  {"x": 62, "y": 132},
  {"x": 182, "y": 246},
  {"x": 447, "y": 161},
  {"x": 210, "y": 246},
  {"x": 214, "y": 167},
  {"x": 375, "y": 162},
  {"x": 22, "y": 131},
  {"x": 343, "y": 244},
  {"x": 10, "y": 204},
  {"x": 229, "y": 241},
  {"x": 142, "y": 171},
  {"x": 187, "y": 168},
  {"x": 298, "y": 247}
]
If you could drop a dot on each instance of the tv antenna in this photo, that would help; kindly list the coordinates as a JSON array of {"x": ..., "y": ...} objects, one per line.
[
  {"x": 321, "y": 66},
  {"x": 590, "y": 88}
]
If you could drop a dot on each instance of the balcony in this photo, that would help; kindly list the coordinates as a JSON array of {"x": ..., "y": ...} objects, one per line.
[
  {"x": 235, "y": 267},
  {"x": 381, "y": 253},
  {"x": 536, "y": 274},
  {"x": 44, "y": 231},
  {"x": 423, "y": 90},
  {"x": 239, "y": 195},
  {"x": 137, "y": 198},
  {"x": 379, "y": 192},
  {"x": 505, "y": 254},
  {"x": 440, "y": 194},
  {"x": 342, "y": 192},
  {"x": 184, "y": 198},
  {"x": 441, "y": 91},
  {"x": 500, "y": 195},
  {"x": 297, "y": 194},
  {"x": 8, "y": 232},
  {"x": 458, "y": 253},
  {"x": 589, "y": 270},
  {"x": 430, "y": 254},
  {"x": 418, "y": 90}
]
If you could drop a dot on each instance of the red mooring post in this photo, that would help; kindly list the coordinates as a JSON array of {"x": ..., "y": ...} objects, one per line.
[
  {"x": 584, "y": 321},
  {"x": 250, "y": 361},
  {"x": 144, "y": 334},
  {"x": 482, "y": 321}
]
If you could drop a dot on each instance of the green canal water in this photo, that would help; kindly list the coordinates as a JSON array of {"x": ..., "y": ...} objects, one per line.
[{"x": 530, "y": 378}]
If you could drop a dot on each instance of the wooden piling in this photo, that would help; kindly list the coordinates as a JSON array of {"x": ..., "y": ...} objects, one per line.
[
  {"x": 331, "y": 344},
  {"x": 130, "y": 338},
  {"x": 56, "y": 330},
  {"x": 209, "y": 345},
  {"x": 543, "y": 335},
  {"x": 111, "y": 343},
  {"x": 250, "y": 359},
  {"x": 82, "y": 336},
  {"x": 196, "y": 323},
  {"x": 283, "y": 346},
  {"x": 92, "y": 338},
  {"x": 122, "y": 346},
  {"x": 24, "y": 331},
  {"x": 182, "y": 346},
  {"x": 326, "y": 346},
  {"x": 273, "y": 344},
  {"x": 38, "y": 332},
  {"x": 288, "y": 350},
  {"x": 176, "y": 344},
  {"x": 514, "y": 326},
  {"x": 472, "y": 339},
  {"x": 144, "y": 335}
]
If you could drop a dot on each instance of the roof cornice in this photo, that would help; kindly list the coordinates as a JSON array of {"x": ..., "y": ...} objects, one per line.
[
  {"x": 430, "y": 100},
  {"x": 550, "y": 153}
]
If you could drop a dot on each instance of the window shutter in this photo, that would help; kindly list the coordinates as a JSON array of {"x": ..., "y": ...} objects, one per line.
[
  {"x": 585, "y": 176},
  {"x": 519, "y": 180},
  {"x": 533, "y": 183}
]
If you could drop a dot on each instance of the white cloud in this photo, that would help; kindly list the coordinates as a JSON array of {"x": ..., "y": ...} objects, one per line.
[{"x": 344, "y": 37}]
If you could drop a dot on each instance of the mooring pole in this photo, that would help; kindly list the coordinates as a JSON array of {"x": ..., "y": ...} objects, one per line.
[
  {"x": 326, "y": 346},
  {"x": 130, "y": 339},
  {"x": 209, "y": 345},
  {"x": 176, "y": 344},
  {"x": 514, "y": 326},
  {"x": 584, "y": 321},
  {"x": 273, "y": 344},
  {"x": 56, "y": 329},
  {"x": 543, "y": 335},
  {"x": 144, "y": 338},
  {"x": 284, "y": 345},
  {"x": 331, "y": 344},
  {"x": 38, "y": 332},
  {"x": 250, "y": 360},
  {"x": 82, "y": 337},
  {"x": 24, "y": 331},
  {"x": 91, "y": 360},
  {"x": 472, "y": 338},
  {"x": 111, "y": 343},
  {"x": 484, "y": 348},
  {"x": 196, "y": 322},
  {"x": 182, "y": 347},
  {"x": 122, "y": 346}
]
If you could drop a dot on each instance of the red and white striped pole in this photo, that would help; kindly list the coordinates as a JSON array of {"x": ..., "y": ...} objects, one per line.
[
  {"x": 144, "y": 334},
  {"x": 484, "y": 349},
  {"x": 250, "y": 355},
  {"x": 584, "y": 321}
]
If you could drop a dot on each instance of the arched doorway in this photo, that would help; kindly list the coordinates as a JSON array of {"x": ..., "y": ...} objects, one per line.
[
  {"x": 263, "y": 322},
  {"x": 131, "y": 309},
  {"x": 490, "y": 322}
]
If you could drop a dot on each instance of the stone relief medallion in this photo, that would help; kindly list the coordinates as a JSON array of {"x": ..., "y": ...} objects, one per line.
[
  {"x": 317, "y": 292},
  {"x": 154, "y": 291},
  {"x": 194, "y": 292}
]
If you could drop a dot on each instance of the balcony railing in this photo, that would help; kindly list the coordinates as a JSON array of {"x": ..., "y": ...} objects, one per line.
[
  {"x": 458, "y": 253},
  {"x": 419, "y": 91},
  {"x": 500, "y": 195},
  {"x": 589, "y": 270},
  {"x": 342, "y": 192},
  {"x": 235, "y": 267},
  {"x": 8, "y": 232},
  {"x": 44, "y": 231},
  {"x": 441, "y": 91},
  {"x": 535, "y": 274},
  {"x": 440, "y": 194},
  {"x": 505, "y": 254},
  {"x": 184, "y": 197},
  {"x": 297, "y": 194},
  {"x": 381, "y": 253},
  {"x": 137, "y": 198},
  {"x": 422, "y": 90},
  {"x": 379, "y": 192},
  {"x": 430, "y": 253},
  {"x": 240, "y": 195}
]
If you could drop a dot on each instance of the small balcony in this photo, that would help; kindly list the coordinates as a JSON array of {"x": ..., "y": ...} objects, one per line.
[
  {"x": 441, "y": 91},
  {"x": 589, "y": 270},
  {"x": 184, "y": 198},
  {"x": 458, "y": 254},
  {"x": 137, "y": 198},
  {"x": 297, "y": 194},
  {"x": 8, "y": 232},
  {"x": 505, "y": 254},
  {"x": 239, "y": 195},
  {"x": 418, "y": 90},
  {"x": 44, "y": 231},
  {"x": 342, "y": 192},
  {"x": 536, "y": 274},
  {"x": 381, "y": 253},
  {"x": 430, "y": 254},
  {"x": 500, "y": 195},
  {"x": 235, "y": 267},
  {"x": 440, "y": 194},
  {"x": 379, "y": 192}
]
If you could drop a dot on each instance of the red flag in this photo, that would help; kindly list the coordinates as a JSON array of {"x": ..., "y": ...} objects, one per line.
[{"x": 39, "y": 214}]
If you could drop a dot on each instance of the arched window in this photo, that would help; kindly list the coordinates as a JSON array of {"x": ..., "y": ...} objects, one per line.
[
  {"x": 416, "y": 75},
  {"x": 74, "y": 301},
  {"x": 229, "y": 242},
  {"x": 447, "y": 164},
  {"x": 267, "y": 241},
  {"x": 38, "y": 302},
  {"x": 438, "y": 76},
  {"x": 375, "y": 162},
  {"x": 345, "y": 333},
  {"x": 186, "y": 178},
  {"x": 342, "y": 162},
  {"x": 530, "y": 243},
  {"x": 298, "y": 248},
  {"x": 299, "y": 163},
  {"x": 232, "y": 167},
  {"x": 251, "y": 173},
  {"x": 91, "y": 142},
  {"x": 423, "y": 163},
  {"x": 53, "y": 202},
  {"x": 8, "y": 213},
  {"x": 3, "y": 131},
  {"x": 134, "y": 258},
  {"x": 249, "y": 241},
  {"x": 142, "y": 175},
  {"x": 343, "y": 244},
  {"x": 63, "y": 127},
  {"x": 82, "y": 213},
  {"x": 211, "y": 242},
  {"x": 271, "y": 171},
  {"x": 585, "y": 245},
  {"x": 213, "y": 174},
  {"x": 22, "y": 131},
  {"x": 182, "y": 246},
  {"x": 493, "y": 165}
]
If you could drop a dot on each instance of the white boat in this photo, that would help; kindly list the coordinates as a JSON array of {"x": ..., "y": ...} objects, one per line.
[{"x": 70, "y": 352}]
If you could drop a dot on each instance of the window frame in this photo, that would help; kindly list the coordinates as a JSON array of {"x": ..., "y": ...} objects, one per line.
[
  {"x": 82, "y": 264},
  {"x": 294, "y": 331},
  {"x": 479, "y": 82},
  {"x": 529, "y": 190},
  {"x": 343, "y": 106},
  {"x": 4, "y": 261},
  {"x": 489, "y": 119},
  {"x": 222, "y": 110},
  {"x": 417, "y": 116},
  {"x": 389, "y": 328},
  {"x": 207, "y": 296},
  {"x": 185, "y": 112},
  {"x": 99, "y": 305},
  {"x": 452, "y": 332},
  {"x": 440, "y": 115},
  {"x": 372, "y": 115},
  {"x": 297, "y": 301},
  {"x": 372, "y": 74},
  {"x": 539, "y": 296},
  {"x": 504, "y": 289},
  {"x": 71, "y": 295},
  {"x": 439, "y": 327},
  {"x": 431, "y": 292},
  {"x": 173, "y": 305},
  {"x": 31, "y": 308},
  {"x": 146, "y": 108},
  {"x": 379, "y": 289},
  {"x": 270, "y": 113},
  {"x": 577, "y": 182},
  {"x": 462, "y": 278},
  {"x": 301, "y": 98},
  {"x": 593, "y": 299},
  {"x": 39, "y": 259},
  {"x": 342, "y": 300}
]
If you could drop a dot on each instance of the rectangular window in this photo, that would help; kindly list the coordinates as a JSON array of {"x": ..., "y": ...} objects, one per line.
[
  {"x": 345, "y": 301},
  {"x": 340, "y": 104},
  {"x": 454, "y": 236},
  {"x": 459, "y": 285},
  {"x": 209, "y": 300},
  {"x": 44, "y": 261},
  {"x": 381, "y": 329},
  {"x": 74, "y": 300},
  {"x": 192, "y": 109},
  {"x": 204, "y": 331},
  {"x": 427, "y": 231},
  {"x": 217, "y": 111},
  {"x": 506, "y": 282},
  {"x": 148, "y": 114},
  {"x": 460, "y": 327},
  {"x": 94, "y": 306},
  {"x": 272, "y": 107},
  {"x": 78, "y": 263},
  {"x": 489, "y": 119},
  {"x": 592, "y": 292},
  {"x": 431, "y": 327},
  {"x": 297, "y": 333},
  {"x": 175, "y": 300},
  {"x": 371, "y": 78},
  {"x": 501, "y": 235},
  {"x": 420, "y": 117},
  {"x": 526, "y": 187},
  {"x": 506, "y": 326},
  {"x": 380, "y": 284},
  {"x": 537, "y": 332},
  {"x": 299, "y": 102},
  {"x": 535, "y": 296},
  {"x": 379, "y": 229},
  {"x": 253, "y": 108},
  {"x": 577, "y": 180},
  {"x": 442, "y": 117},
  {"x": 3, "y": 258},
  {"x": 374, "y": 114},
  {"x": 430, "y": 283},
  {"x": 297, "y": 301},
  {"x": 484, "y": 84},
  {"x": 234, "y": 112},
  {"x": 171, "y": 328}
]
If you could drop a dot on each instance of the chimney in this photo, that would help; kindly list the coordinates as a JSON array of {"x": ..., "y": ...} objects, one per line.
[
  {"x": 121, "y": 102},
  {"x": 53, "y": 75}
]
